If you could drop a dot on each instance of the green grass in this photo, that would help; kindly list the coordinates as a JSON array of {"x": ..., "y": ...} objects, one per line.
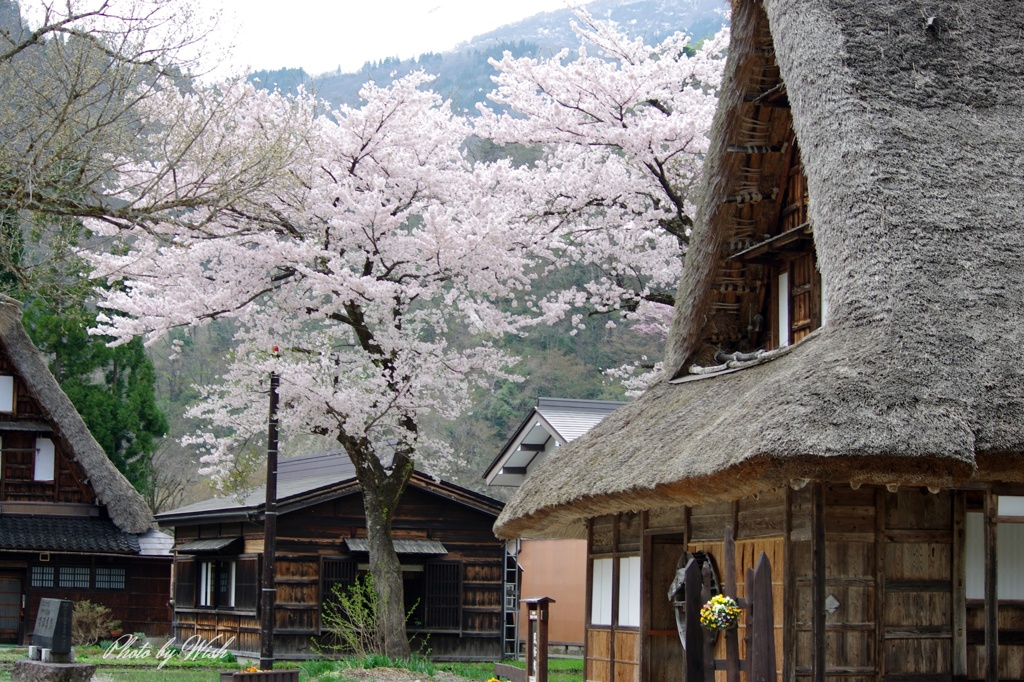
[
  {"x": 177, "y": 669},
  {"x": 559, "y": 669},
  {"x": 155, "y": 675}
]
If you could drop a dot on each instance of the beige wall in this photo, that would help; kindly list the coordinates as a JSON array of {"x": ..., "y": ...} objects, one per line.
[{"x": 556, "y": 569}]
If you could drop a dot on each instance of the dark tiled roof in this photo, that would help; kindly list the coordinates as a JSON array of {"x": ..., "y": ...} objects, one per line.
[{"x": 65, "y": 534}]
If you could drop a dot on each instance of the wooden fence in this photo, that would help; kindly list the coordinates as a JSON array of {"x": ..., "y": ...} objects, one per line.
[{"x": 698, "y": 642}]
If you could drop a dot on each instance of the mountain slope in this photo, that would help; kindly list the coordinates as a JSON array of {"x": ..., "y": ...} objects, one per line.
[{"x": 464, "y": 75}]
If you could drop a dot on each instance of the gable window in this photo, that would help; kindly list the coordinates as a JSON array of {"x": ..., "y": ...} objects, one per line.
[
  {"x": 6, "y": 393},
  {"x": 45, "y": 456},
  {"x": 791, "y": 300}
]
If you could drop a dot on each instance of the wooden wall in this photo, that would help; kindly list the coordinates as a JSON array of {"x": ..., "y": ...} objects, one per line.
[
  {"x": 652, "y": 652},
  {"x": 143, "y": 606},
  {"x": 309, "y": 535}
]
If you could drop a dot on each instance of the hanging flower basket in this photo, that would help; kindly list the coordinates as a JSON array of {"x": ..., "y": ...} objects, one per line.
[{"x": 720, "y": 613}]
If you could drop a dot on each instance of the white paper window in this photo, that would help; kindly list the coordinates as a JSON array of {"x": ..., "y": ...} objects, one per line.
[
  {"x": 629, "y": 591},
  {"x": 204, "y": 596},
  {"x": 1009, "y": 558},
  {"x": 601, "y": 594},
  {"x": 783, "y": 309},
  {"x": 6, "y": 394},
  {"x": 44, "y": 459},
  {"x": 1010, "y": 505}
]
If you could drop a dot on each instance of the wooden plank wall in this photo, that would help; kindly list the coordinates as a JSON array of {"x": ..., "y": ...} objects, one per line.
[
  {"x": 308, "y": 535},
  {"x": 653, "y": 652}
]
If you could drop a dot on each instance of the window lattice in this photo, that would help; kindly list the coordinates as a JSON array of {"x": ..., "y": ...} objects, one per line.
[
  {"x": 42, "y": 576},
  {"x": 109, "y": 578},
  {"x": 74, "y": 577}
]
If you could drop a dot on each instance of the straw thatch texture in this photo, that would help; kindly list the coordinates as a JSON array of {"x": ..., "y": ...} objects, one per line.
[
  {"x": 126, "y": 507},
  {"x": 912, "y": 140}
]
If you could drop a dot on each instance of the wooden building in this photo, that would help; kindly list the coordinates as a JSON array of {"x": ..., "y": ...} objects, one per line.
[
  {"x": 451, "y": 561},
  {"x": 71, "y": 526},
  {"x": 545, "y": 567},
  {"x": 844, "y": 372}
]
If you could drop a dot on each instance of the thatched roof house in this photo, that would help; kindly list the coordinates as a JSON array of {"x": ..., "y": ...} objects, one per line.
[
  {"x": 912, "y": 142},
  {"x": 123, "y": 503},
  {"x": 843, "y": 384},
  {"x": 71, "y": 525}
]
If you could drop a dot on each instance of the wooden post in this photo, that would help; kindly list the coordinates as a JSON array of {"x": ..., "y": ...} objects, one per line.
[
  {"x": 694, "y": 636},
  {"x": 708, "y": 640},
  {"x": 537, "y": 618},
  {"x": 761, "y": 655},
  {"x": 818, "y": 582},
  {"x": 268, "y": 592},
  {"x": 959, "y": 586},
  {"x": 991, "y": 590},
  {"x": 732, "y": 640}
]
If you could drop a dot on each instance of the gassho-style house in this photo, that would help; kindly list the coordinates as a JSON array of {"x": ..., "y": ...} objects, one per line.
[
  {"x": 844, "y": 382},
  {"x": 71, "y": 525}
]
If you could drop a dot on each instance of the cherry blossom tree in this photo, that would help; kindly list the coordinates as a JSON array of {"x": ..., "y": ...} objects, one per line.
[
  {"x": 624, "y": 129},
  {"x": 378, "y": 245},
  {"x": 381, "y": 243}
]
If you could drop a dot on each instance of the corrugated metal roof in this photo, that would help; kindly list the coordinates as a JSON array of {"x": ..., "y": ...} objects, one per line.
[
  {"x": 573, "y": 418},
  {"x": 155, "y": 543},
  {"x": 402, "y": 546},
  {"x": 209, "y": 545},
  {"x": 295, "y": 476}
]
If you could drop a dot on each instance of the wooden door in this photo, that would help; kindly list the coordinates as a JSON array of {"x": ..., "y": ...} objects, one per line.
[{"x": 10, "y": 607}]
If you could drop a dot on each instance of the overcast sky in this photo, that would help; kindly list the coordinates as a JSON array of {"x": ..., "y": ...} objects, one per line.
[{"x": 321, "y": 35}]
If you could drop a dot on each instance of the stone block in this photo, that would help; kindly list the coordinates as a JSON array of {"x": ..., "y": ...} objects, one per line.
[{"x": 37, "y": 671}]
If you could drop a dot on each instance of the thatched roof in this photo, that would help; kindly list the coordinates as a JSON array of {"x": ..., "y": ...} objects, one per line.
[
  {"x": 912, "y": 142},
  {"x": 125, "y": 506}
]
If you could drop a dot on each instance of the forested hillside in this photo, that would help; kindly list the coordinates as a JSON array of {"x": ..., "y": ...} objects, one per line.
[{"x": 464, "y": 74}]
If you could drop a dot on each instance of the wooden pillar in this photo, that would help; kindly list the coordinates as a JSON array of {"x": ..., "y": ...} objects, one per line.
[
  {"x": 991, "y": 592},
  {"x": 959, "y": 573},
  {"x": 818, "y": 582}
]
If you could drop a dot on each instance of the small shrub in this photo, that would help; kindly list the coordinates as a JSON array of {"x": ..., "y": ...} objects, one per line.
[
  {"x": 350, "y": 618},
  {"x": 90, "y": 623}
]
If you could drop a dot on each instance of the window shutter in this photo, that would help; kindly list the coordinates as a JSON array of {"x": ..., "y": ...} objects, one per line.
[
  {"x": 184, "y": 583},
  {"x": 247, "y": 583},
  {"x": 336, "y": 572},
  {"x": 443, "y": 598}
]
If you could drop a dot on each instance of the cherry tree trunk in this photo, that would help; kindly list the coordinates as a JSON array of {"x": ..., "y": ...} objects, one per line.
[{"x": 385, "y": 568}]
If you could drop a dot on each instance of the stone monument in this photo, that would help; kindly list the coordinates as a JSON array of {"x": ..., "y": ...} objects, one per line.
[{"x": 50, "y": 656}]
